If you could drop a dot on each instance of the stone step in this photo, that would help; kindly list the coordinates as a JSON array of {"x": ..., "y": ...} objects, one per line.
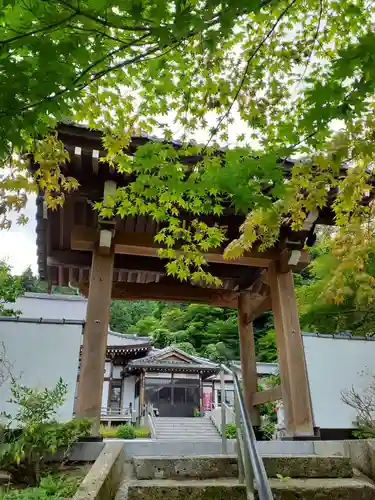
[
  {"x": 194, "y": 429},
  {"x": 188, "y": 431},
  {"x": 181, "y": 419},
  {"x": 197, "y": 439},
  {"x": 187, "y": 427},
  {"x": 184, "y": 426},
  {"x": 191, "y": 421},
  {"x": 291, "y": 489},
  {"x": 186, "y": 434},
  {"x": 209, "y": 467},
  {"x": 183, "y": 436},
  {"x": 191, "y": 427}
]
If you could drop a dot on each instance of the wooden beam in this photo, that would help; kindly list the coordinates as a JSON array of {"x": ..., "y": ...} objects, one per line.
[
  {"x": 169, "y": 293},
  {"x": 86, "y": 238},
  {"x": 268, "y": 396},
  {"x": 260, "y": 305},
  {"x": 284, "y": 266},
  {"x": 247, "y": 355},
  {"x": 95, "y": 161},
  {"x": 82, "y": 259},
  {"x": 76, "y": 158},
  {"x": 294, "y": 382},
  {"x": 90, "y": 386}
]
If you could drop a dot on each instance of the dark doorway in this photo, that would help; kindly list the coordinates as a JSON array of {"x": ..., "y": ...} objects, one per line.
[{"x": 173, "y": 397}]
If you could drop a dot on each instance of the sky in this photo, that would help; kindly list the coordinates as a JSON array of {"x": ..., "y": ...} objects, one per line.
[{"x": 18, "y": 244}]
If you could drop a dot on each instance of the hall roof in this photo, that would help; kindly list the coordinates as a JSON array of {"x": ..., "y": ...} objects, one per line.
[
  {"x": 125, "y": 344},
  {"x": 173, "y": 359},
  {"x": 128, "y": 339},
  {"x": 67, "y": 236}
]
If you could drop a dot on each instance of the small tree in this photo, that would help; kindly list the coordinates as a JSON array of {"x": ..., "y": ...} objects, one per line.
[
  {"x": 30, "y": 282},
  {"x": 364, "y": 404},
  {"x": 34, "y": 406},
  {"x": 10, "y": 289},
  {"x": 5, "y": 365},
  {"x": 33, "y": 433}
]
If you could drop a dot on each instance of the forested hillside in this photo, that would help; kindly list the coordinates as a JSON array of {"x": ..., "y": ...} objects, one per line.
[{"x": 198, "y": 329}]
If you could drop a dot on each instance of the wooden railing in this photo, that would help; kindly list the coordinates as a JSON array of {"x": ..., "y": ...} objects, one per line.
[{"x": 116, "y": 413}]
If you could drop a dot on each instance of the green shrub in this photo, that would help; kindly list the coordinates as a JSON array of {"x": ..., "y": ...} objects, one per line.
[
  {"x": 231, "y": 431},
  {"x": 50, "y": 488},
  {"x": 126, "y": 431},
  {"x": 37, "y": 435},
  {"x": 142, "y": 432},
  {"x": 268, "y": 429},
  {"x": 108, "y": 432},
  {"x": 364, "y": 432}
]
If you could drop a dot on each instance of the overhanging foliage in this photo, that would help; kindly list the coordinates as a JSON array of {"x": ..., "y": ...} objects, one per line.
[{"x": 281, "y": 73}]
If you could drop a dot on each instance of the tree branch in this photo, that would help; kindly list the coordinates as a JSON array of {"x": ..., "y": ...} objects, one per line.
[
  {"x": 103, "y": 22},
  {"x": 96, "y": 76},
  {"x": 94, "y": 31},
  {"x": 249, "y": 61},
  {"x": 107, "y": 56},
  {"x": 35, "y": 32},
  {"x": 314, "y": 39}
]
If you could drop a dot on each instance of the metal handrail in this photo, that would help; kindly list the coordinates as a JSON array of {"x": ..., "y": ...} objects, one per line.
[
  {"x": 250, "y": 463},
  {"x": 150, "y": 420}
]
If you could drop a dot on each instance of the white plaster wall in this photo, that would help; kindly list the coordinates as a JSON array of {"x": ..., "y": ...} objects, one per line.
[
  {"x": 136, "y": 406},
  {"x": 334, "y": 365},
  {"x": 40, "y": 354},
  {"x": 51, "y": 306},
  {"x": 105, "y": 394},
  {"x": 128, "y": 385},
  {"x": 107, "y": 368},
  {"x": 215, "y": 416},
  {"x": 117, "y": 371}
]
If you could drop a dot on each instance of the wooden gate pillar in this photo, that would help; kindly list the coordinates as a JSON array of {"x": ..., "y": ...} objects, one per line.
[
  {"x": 90, "y": 385},
  {"x": 293, "y": 373},
  {"x": 247, "y": 355}
]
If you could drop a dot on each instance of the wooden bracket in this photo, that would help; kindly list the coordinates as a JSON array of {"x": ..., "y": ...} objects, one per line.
[{"x": 267, "y": 396}]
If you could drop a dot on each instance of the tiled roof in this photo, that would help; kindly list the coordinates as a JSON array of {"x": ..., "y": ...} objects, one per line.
[
  {"x": 159, "y": 358},
  {"x": 122, "y": 339}
]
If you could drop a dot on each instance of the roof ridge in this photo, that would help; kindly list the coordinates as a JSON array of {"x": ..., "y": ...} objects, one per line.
[{"x": 128, "y": 335}]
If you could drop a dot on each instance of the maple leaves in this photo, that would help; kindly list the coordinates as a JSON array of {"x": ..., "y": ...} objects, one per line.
[{"x": 266, "y": 80}]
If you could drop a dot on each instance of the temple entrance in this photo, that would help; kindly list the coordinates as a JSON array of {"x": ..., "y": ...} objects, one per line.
[
  {"x": 119, "y": 259},
  {"x": 173, "y": 397}
]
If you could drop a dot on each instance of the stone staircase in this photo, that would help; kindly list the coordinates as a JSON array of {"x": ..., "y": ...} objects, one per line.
[
  {"x": 186, "y": 429},
  {"x": 215, "y": 478}
]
